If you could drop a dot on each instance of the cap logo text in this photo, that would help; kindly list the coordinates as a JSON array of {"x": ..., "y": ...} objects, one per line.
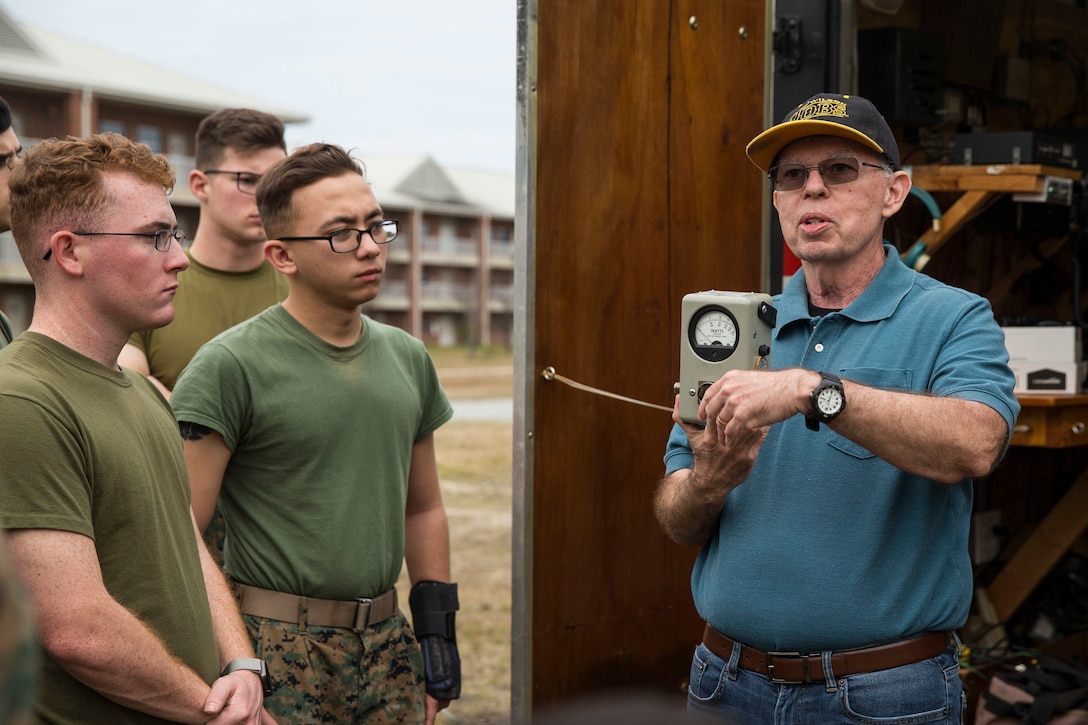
[{"x": 818, "y": 107}]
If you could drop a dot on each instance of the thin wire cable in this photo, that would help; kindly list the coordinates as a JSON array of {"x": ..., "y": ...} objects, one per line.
[{"x": 549, "y": 373}]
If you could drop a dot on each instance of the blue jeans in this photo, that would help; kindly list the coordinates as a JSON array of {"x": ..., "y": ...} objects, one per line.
[{"x": 929, "y": 691}]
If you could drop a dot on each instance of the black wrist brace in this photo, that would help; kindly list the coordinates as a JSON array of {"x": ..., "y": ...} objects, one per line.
[{"x": 434, "y": 606}]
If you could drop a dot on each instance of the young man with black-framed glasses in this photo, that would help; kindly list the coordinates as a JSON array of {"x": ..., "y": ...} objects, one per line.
[{"x": 313, "y": 427}]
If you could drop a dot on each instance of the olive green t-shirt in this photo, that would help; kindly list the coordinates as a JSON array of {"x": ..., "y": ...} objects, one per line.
[
  {"x": 321, "y": 439},
  {"x": 207, "y": 302},
  {"x": 96, "y": 451}
]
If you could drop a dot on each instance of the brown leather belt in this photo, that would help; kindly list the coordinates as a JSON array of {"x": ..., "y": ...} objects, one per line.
[
  {"x": 796, "y": 668},
  {"x": 351, "y": 614}
]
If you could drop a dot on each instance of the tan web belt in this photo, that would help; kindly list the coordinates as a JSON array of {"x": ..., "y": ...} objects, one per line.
[{"x": 351, "y": 614}]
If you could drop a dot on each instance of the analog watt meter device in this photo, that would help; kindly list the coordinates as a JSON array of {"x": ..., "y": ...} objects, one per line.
[{"x": 719, "y": 332}]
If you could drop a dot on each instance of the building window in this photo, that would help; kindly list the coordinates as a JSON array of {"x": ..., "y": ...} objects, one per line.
[
  {"x": 177, "y": 144},
  {"x": 108, "y": 126},
  {"x": 150, "y": 135}
]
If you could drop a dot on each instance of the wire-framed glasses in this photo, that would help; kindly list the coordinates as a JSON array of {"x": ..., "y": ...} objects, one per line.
[
  {"x": 348, "y": 240},
  {"x": 835, "y": 170},
  {"x": 247, "y": 182},
  {"x": 162, "y": 238}
]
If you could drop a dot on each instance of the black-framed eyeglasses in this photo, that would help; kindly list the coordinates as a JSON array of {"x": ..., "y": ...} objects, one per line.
[
  {"x": 348, "y": 240},
  {"x": 247, "y": 182},
  {"x": 162, "y": 238},
  {"x": 835, "y": 170}
]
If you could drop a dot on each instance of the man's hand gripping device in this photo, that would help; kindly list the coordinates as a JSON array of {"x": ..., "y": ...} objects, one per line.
[
  {"x": 720, "y": 331},
  {"x": 434, "y": 606}
]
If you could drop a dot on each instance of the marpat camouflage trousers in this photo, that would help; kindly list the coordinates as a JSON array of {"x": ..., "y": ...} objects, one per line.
[{"x": 334, "y": 675}]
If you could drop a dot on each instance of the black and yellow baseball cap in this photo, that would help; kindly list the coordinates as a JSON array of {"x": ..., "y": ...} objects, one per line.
[{"x": 827, "y": 114}]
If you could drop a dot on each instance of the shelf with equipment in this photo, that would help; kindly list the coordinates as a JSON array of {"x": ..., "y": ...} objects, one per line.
[
  {"x": 979, "y": 187},
  {"x": 1045, "y": 421}
]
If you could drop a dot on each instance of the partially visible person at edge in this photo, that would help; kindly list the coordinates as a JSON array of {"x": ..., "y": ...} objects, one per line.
[
  {"x": 136, "y": 622},
  {"x": 10, "y": 152},
  {"x": 228, "y": 279},
  {"x": 339, "y": 423},
  {"x": 832, "y": 494},
  {"x": 18, "y": 642}
]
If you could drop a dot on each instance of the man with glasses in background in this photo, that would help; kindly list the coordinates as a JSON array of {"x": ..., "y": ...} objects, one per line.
[
  {"x": 832, "y": 494},
  {"x": 136, "y": 622},
  {"x": 228, "y": 279},
  {"x": 313, "y": 426}
]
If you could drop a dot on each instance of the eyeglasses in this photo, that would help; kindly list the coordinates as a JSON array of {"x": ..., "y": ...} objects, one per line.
[
  {"x": 162, "y": 238},
  {"x": 348, "y": 240},
  {"x": 247, "y": 182},
  {"x": 836, "y": 170}
]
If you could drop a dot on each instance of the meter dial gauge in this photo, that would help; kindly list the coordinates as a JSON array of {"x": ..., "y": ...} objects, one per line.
[{"x": 712, "y": 333}]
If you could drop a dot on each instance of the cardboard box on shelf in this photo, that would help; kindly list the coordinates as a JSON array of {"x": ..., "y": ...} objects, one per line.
[
  {"x": 1044, "y": 342},
  {"x": 1054, "y": 377}
]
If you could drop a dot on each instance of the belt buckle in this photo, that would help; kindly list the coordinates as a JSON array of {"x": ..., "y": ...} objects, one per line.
[
  {"x": 362, "y": 607},
  {"x": 781, "y": 680}
]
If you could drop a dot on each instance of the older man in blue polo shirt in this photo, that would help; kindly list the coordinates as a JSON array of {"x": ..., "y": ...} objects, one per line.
[{"x": 832, "y": 494}]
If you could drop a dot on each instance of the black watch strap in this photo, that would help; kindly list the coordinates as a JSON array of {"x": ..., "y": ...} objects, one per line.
[{"x": 253, "y": 664}]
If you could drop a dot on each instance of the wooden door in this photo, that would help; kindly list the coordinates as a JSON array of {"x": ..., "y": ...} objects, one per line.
[{"x": 634, "y": 190}]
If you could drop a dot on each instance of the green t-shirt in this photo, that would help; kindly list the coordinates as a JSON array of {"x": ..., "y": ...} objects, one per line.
[
  {"x": 96, "y": 451},
  {"x": 314, "y": 493},
  {"x": 207, "y": 302}
]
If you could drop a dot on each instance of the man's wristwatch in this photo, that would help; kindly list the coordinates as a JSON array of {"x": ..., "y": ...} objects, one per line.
[
  {"x": 828, "y": 400},
  {"x": 252, "y": 664}
]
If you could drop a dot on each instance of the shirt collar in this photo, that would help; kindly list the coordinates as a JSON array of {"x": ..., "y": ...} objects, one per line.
[{"x": 877, "y": 302}]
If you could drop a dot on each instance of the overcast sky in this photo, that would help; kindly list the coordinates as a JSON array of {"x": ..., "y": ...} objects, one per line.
[{"x": 394, "y": 77}]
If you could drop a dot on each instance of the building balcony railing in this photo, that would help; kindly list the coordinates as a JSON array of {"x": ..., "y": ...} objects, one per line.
[
  {"x": 11, "y": 264},
  {"x": 466, "y": 247},
  {"x": 442, "y": 296},
  {"x": 503, "y": 294},
  {"x": 447, "y": 291},
  {"x": 449, "y": 245},
  {"x": 502, "y": 249},
  {"x": 182, "y": 165},
  {"x": 397, "y": 288},
  {"x": 9, "y": 253}
]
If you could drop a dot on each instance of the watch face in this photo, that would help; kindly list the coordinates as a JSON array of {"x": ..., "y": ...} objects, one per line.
[
  {"x": 712, "y": 333},
  {"x": 829, "y": 401}
]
